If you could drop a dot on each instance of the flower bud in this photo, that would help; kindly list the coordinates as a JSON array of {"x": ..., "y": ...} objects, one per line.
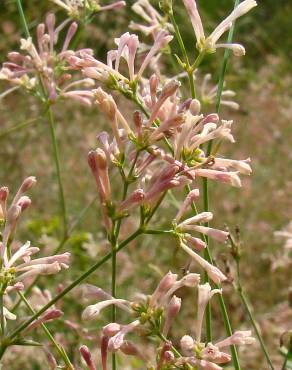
[
  {"x": 195, "y": 107},
  {"x": 86, "y": 355}
]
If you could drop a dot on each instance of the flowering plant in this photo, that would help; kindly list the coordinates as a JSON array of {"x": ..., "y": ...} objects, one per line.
[{"x": 168, "y": 144}]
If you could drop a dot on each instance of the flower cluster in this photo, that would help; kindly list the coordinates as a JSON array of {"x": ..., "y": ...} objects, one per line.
[
  {"x": 17, "y": 266},
  {"x": 43, "y": 70},
  {"x": 154, "y": 316}
]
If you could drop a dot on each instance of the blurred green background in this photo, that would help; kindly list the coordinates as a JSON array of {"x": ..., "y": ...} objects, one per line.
[{"x": 263, "y": 82}]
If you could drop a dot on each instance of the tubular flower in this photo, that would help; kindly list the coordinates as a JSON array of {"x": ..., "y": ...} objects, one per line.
[{"x": 210, "y": 44}]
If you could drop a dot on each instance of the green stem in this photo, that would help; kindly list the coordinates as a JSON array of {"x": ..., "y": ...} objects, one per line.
[
  {"x": 188, "y": 67},
  {"x": 75, "y": 283},
  {"x": 248, "y": 309},
  {"x": 2, "y": 308},
  {"x": 254, "y": 324},
  {"x": 19, "y": 127},
  {"x": 22, "y": 17},
  {"x": 58, "y": 170},
  {"x": 58, "y": 347}
]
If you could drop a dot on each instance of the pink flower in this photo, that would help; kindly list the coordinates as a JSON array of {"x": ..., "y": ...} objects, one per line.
[
  {"x": 213, "y": 272},
  {"x": 209, "y": 44}
]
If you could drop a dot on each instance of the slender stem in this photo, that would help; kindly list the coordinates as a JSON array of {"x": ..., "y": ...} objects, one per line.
[
  {"x": 254, "y": 324},
  {"x": 58, "y": 347},
  {"x": 75, "y": 283},
  {"x": 58, "y": 170},
  {"x": 2, "y": 308},
  {"x": 19, "y": 127},
  {"x": 22, "y": 17},
  {"x": 288, "y": 355},
  {"x": 248, "y": 309},
  {"x": 188, "y": 67}
]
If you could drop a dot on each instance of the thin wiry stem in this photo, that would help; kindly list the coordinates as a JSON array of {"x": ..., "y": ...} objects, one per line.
[
  {"x": 188, "y": 67},
  {"x": 22, "y": 18},
  {"x": 244, "y": 300},
  {"x": 58, "y": 170},
  {"x": 24, "y": 124},
  {"x": 58, "y": 347}
]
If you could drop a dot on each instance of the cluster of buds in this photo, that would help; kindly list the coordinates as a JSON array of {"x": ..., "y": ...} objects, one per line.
[
  {"x": 155, "y": 316},
  {"x": 84, "y": 9},
  {"x": 17, "y": 267},
  {"x": 43, "y": 70}
]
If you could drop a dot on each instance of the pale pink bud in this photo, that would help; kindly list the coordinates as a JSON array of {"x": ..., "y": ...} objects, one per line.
[
  {"x": 138, "y": 122},
  {"x": 102, "y": 166},
  {"x": 50, "y": 315},
  {"x": 196, "y": 243},
  {"x": 51, "y": 359},
  {"x": 195, "y": 107},
  {"x": 213, "y": 272},
  {"x": 168, "y": 356},
  {"x": 201, "y": 217},
  {"x": 28, "y": 183},
  {"x": 195, "y": 18},
  {"x": 90, "y": 291},
  {"x": 116, "y": 5},
  {"x": 71, "y": 32},
  {"x": 172, "y": 310},
  {"x": 237, "y": 338},
  {"x": 161, "y": 40},
  {"x": 168, "y": 90},
  {"x": 4, "y": 192},
  {"x": 164, "y": 285},
  {"x": 111, "y": 329},
  {"x": 43, "y": 269},
  {"x": 216, "y": 234},
  {"x": 190, "y": 198},
  {"x": 104, "y": 351},
  {"x": 212, "y": 353},
  {"x": 86, "y": 355},
  {"x": 117, "y": 340},
  {"x": 24, "y": 202},
  {"x": 231, "y": 178},
  {"x": 207, "y": 365},
  {"x": 205, "y": 293},
  {"x": 187, "y": 343},
  {"x": 92, "y": 311},
  {"x": 129, "y": 348},
  {"x": 136, "y": 198}
]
